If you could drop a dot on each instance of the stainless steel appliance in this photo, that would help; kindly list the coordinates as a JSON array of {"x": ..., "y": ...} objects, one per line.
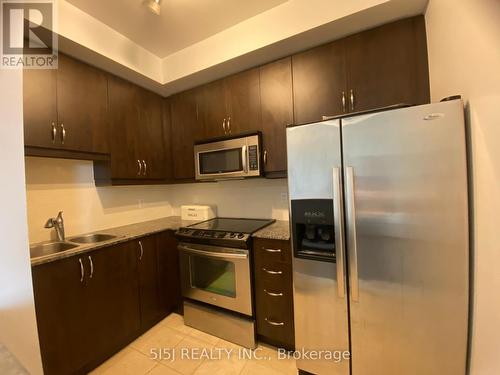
[
  {"x": 379, "y": 216},
  {"x": 216, "y": 264},
  {"x": 227, "y": 158}
]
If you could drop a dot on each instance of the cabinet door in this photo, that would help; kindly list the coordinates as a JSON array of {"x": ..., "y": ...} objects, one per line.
[
  {"x": 388, "y": 65},
  {"x": 149, "y": 281},
  {"x": 60, "y": 300},
  {"x": 82, "y": 105},
  {"x": 124, "y": 122},
  {"x": 113, "y": 306},
  {"x": 167, "y": 137},
  {"x": 213, "y": 109},
  {"x": 243, "y": 97},
  {"x": 170, "y": 285},
  {"x": 319, "y": 82},
  {"x": 151, "y": 134},
  {"x": 185, "y": 129},
  {"x": 40, "y": 112},
  {"x": 277, "y": 112}
]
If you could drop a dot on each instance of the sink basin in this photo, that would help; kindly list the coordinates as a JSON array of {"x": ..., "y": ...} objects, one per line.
[
  {"x": 50, "y": 248},
  {"x": 93, "y": 238}
]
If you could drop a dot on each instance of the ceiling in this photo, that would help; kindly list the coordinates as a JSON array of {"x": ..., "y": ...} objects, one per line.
[{"x": 182, "y": 23}]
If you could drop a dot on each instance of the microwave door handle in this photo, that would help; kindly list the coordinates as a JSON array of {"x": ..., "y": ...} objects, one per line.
[
  {"x": 244, "y": 159},
  {"x": 212, "y": 254}
]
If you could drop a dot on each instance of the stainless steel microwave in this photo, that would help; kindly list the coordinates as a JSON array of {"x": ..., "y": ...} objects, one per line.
[{"x": 237, "y": 157}]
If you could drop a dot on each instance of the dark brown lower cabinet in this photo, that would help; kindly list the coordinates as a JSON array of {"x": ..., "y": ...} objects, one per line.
[
  {"x": 274, "y": 292},
  {"x": 89, "y": 306},
  {"x": 170, "y": 287},
  {"x": 149, "y": 281}
]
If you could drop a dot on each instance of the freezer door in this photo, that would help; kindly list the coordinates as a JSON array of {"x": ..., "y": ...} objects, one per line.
[
  {"x": 407, "y": 240},
  {"x": 320, "y": 298}
]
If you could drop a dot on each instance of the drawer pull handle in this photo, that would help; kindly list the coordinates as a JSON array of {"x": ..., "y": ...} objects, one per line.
[
  {"x": 273, "y": 294},
  {"x": 272, "y": 250},
  {"x": 272, "y": 272},
  {"x": 274, "y": 323}
]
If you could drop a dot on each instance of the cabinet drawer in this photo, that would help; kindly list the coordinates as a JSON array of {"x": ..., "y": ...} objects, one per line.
[{"x": 272, "y": 250}]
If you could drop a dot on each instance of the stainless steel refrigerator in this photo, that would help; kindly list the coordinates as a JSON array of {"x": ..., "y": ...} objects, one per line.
[{"x": 380, "y": 235}]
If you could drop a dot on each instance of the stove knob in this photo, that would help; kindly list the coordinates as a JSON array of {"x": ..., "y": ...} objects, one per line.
[
  {"x": 241, "y": 235},
  {"x": 232, "y": 235}
]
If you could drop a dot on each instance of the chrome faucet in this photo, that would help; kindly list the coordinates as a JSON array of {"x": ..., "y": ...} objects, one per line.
[{"x": 58, "y": 224}]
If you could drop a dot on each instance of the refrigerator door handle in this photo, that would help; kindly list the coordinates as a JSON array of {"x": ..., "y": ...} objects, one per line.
[
  {"x": 338, "y": 217},
  {"x": 351, "y": 233}
]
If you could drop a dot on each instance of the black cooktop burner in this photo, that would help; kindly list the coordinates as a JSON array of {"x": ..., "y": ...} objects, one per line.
[
  {"x": 232, "y": 225},
  {"x": 230, "y": 232}
]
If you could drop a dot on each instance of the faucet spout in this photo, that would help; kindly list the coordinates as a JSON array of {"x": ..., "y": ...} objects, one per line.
[{"x": 58, "y": 224}]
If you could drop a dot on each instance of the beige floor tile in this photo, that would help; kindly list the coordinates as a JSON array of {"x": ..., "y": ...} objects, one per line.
[
  {"x": 286, "y": 366},
  {"x": 176, "y": 322},
  {"x": 231, "y": 366},
  {"x": 157, "y": 339},
  {"x": 200, "y": 335},
  {"x": 186, "y": 365},
  {"x": 126, "y": 362},
  {"x": 254, "y": 368},
  {"x": 160, "y": 369}
]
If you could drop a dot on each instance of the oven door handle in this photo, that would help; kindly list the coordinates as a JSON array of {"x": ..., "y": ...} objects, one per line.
[{"x": 213, "y": 254}]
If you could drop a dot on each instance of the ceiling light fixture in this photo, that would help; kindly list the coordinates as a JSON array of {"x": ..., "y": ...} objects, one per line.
[{"x": 153, "y": 5}]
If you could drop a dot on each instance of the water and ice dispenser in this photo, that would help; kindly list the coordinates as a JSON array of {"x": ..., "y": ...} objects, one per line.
[{"x": 313, "y": 229}]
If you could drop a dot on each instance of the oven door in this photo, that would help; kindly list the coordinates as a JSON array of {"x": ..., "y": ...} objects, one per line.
[
  {"x": 216, "y": 275},
  {"x": 222, "y": 162}
]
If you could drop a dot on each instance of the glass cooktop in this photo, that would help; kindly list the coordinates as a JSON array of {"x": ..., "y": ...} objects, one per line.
[{"x": 232, "y": 225}]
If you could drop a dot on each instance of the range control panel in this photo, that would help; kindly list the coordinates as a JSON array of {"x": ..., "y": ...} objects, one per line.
[{"x": 234, "y": 239}]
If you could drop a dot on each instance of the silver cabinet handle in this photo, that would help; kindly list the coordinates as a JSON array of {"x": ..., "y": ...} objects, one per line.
[
  {"x": 142, "y": 250},
  {"x": 338, "y": 222},
  {"x": 224, "y": 126},
  {"x": 351, "y": 234},
  {"x": 352, "y": 99},
  {"x": 343, "y": 101},
  {"x": 91, "y": 267},
  {"x": 273, "y": 323},
  {"x": 273, "y": 294},
  {"x": 272, "y": 272},
  {"x": 139, "y": 169},
  {"x": 265, "y": 157},
  {"x": 229, "y": 125},
  {"x": 272, "y": 250},
  {"x": 54, "y": 132},
  {"x": 145, "y": 168},
  {"x": 82, "y": 270},
  {"x": 63, "y": 134}
]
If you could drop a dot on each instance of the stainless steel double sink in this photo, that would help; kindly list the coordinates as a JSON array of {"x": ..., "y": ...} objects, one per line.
[{"x": 72, "y": 243}]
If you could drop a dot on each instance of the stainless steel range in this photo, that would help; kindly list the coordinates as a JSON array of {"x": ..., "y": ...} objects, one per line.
[{"x": 216, "y": 277}]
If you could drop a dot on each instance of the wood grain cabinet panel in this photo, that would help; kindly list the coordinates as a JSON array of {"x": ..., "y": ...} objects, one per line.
[
  {"x": 185, "y": 129},
  {"x": 213, "y": 109},
  {"x": 170, "y": 284},
  {"x": 388, "y": 65},
  {"x": 274, "y": 292},
  {"x": 319, "y": 82},
  {"x": 40, "y": 108},
  {"x": 277, "y": 112},
  {"x": 82, "y": 106}
]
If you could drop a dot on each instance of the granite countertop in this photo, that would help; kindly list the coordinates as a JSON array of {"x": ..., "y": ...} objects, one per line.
[
  {"x": 279, "y": 230},
  {"x": 123, "y": 234}
]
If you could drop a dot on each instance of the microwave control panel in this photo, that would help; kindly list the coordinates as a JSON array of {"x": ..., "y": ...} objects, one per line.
[{"x": 253, "y": 159}]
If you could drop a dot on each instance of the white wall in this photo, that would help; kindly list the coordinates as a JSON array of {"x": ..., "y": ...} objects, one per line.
[
  {"x": 18, "y": 330},
  {"x": 464, "y": 56},
  {"x": 54, "y": 185}
]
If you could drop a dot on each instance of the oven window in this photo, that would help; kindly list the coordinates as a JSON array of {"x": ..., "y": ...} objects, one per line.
[
  {"x": 222, "y": 161},
  {"x": 213, "y": 275}
]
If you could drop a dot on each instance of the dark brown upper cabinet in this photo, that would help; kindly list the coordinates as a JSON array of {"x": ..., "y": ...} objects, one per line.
[
  {"x": 136, "y": 127},
  {"x": 277, "y": 112},
  {"x": 319, "y": 82},
  {"x": 82, "y": 107},
  {"x": 380, "y": 67},
  {"x": 388, "y": 65},
  {"x": 185, "y": 129},
  {"x": 167, "y": 137},
  {"x": 66, "y": 109},
  {"x": 231, "y": 105}
]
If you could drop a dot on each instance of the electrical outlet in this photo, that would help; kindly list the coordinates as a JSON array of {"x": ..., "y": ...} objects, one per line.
[{"x": 284, "y": 197}]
